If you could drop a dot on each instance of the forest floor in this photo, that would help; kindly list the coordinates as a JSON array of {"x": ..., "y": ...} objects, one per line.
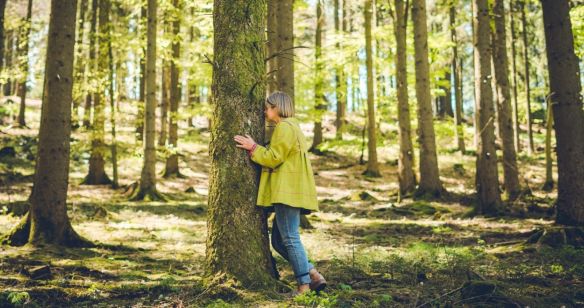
[{"x": 374, "y": 250}]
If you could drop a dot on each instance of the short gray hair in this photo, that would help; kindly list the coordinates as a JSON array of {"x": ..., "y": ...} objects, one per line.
[{"x": 283, "y": 102}]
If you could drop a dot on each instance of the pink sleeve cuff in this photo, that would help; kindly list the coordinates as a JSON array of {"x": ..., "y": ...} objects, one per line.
[{"x": 250, "y": 152}]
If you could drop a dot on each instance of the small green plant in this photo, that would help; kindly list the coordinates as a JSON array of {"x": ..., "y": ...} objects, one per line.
[
  {"x": 18, "y": 298},
  {"x": 312, "y": 299}
]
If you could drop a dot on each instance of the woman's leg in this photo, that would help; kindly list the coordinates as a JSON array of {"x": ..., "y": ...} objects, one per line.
[
  {"x": 288, "y": 222},
  {"x": 277, "y": 241}
]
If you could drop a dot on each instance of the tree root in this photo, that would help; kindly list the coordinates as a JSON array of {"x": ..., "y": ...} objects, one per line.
[{"x": 558, "y": 236}]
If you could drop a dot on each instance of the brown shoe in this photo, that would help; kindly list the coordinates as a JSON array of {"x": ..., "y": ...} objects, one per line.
[{"x": 318, "y": 284}]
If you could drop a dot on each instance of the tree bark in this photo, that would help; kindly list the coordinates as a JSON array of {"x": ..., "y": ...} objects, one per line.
[
  {"x": 501, "y": 64},
  {"x": 24, "y": 65},
  {"x": 430, "y": 184},
  {"x": 164, "y": 103},
  {"x": 271, "y": 46},
  {"x": 457, "y": 72},
  {"x": 47, "y": 221},
  {"x": 142, "y": 94},
  {"x": 2, "y": 32},
  {"x": 90, "y": 65},
  {"x": 514, "y": 66},
  {"x": 96, "y": 174},
  {"x": 487, "y": 180},
  {"x": 147, "y": 189},
  {"x": 340, "y": 78},
  {"x": 531, "y": 148},
  {"x": 567, "y": 111},
  {"x": 79, "y": 72},
  {"x": 238, "y": 95},
  {"x": 548, "y": 184},
  {"x": 372, "y": 164},
  {"x": 172, "y": 168},
  {"x": 319, "y": 98},
  {"x": 406, "y": 175},
  {"x": 285, "y": 47}
]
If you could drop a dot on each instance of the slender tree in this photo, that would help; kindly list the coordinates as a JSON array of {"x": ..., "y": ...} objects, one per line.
[
  {"x": 319, "y": 98},
  {"x": 406, "y": 175},
  {"x": 430, "y": 184},
  {"x": 24, "y": 65},
  {"x": 142, "y": 94},
  {"x": 567, "y": 111},
  {"x": 238, "y": 99},
  {"x": 514, "y": 67},
  {"x": 501, "y": 65},
  {"x": 90, "y": 64},
  {"x": 487, "y": 180},
  {"x": 340, "y": 78},
  {"x": 526, "y": 59},
  {"x": 172, "y": 168},
  {"x": 147, "y": 188},
  {"x": 548, "y": 184},
  {"x": 96, "y": 174},
  {"x": 47, "y": 221},
  {"x": 457, "y": 78},
  {"x": 2, "y": 31},
  {"x": 79, "y": 67},
  {"x": 372, "y": 165},
  {"x": 271, "y": 46}
]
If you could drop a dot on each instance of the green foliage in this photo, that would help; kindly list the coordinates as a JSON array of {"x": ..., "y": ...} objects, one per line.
[
  {"x": 313, "y": 299},
  {"x": 18, "y": 298}
]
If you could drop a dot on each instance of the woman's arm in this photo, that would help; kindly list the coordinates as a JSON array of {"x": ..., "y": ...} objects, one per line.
[{"x": 274, "y": 154}]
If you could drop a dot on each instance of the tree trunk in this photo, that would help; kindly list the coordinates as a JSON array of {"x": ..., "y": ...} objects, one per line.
[
  {"x": 457, "y": 72},
  {"x": 24, "y": 66},
  {"x": 319, "y": 98},
  {"x": 47, "y": 221},
  {"x": 406, "y": 175},
  {"x": 79, "y": 67},
  {"x": 430, "y": 184},
  {"x": 285, "y": 46},
  {"x": 567, "y": 110},
  {"x": 96, "y": 174},
  {"x": 531, "y": 148},
  {"x": 7, "y": 64},
  {"x": 164, "y": 103},
  {"x": 501, "y": 64},
  {"x": 487, "y": 180},
  {"x": 147, "y": 189},
  {"x": 238, "y": 94},
  {"x": 340, "y": 78},
  {"x": 112, "y": 98},
  {"x": 142, "y": 94},
  {"x": 372, "y": 165},
  {"x": 90, "y": 65},
  {"x": 548, "y": 184},
  {"x": 175, "y": 96},
  {"x": 271, "y": 46},
  {"x": 2, "y": 33},
  {"x": 514, "y": 57}
]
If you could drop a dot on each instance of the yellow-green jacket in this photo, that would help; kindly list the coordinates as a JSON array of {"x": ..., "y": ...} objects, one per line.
[{"x": 286, "y": 171}]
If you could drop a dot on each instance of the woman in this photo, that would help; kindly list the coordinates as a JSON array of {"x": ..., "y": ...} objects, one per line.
[{"x": 286, "y": 186}]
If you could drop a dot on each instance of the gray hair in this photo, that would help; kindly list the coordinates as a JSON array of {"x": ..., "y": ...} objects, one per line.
[{"x": 283, "y": 102}]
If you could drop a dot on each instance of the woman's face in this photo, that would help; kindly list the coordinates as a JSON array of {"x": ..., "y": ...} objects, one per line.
[{"x": 271, "y": 112}]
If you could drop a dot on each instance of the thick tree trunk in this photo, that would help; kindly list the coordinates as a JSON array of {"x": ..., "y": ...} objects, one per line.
[
  {"x": 501, "y": 64},
  {"x": 406, "y": 175},
  {"x": 567, "y": 111},
  {"x": 24, "y": 66},
  {"x": 531, "y": 148},
  {"x": 487, "y": 180},
  {"x": 175, "y": 96},
  {"x": 47, "y": 220},
  {"x": 372, "y": 165},
  {"x": 457, "y": 72},
  {"x": 90, "y": 65},
  {"x": 430, "y": 184},
  {"x": 238, "y": 101},
  {"x": 147, "y": 189},
  {"x": 285, "y": 47},
  {"x": 96, "y": 174},
  {"x": 319, "y": 98}
]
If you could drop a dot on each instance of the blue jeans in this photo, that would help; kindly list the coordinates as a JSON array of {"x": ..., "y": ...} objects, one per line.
[{"x": 286, "y": 241}]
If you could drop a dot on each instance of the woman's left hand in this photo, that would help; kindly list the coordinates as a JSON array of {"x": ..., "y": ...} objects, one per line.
[{"x": 244, "y": 142}]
